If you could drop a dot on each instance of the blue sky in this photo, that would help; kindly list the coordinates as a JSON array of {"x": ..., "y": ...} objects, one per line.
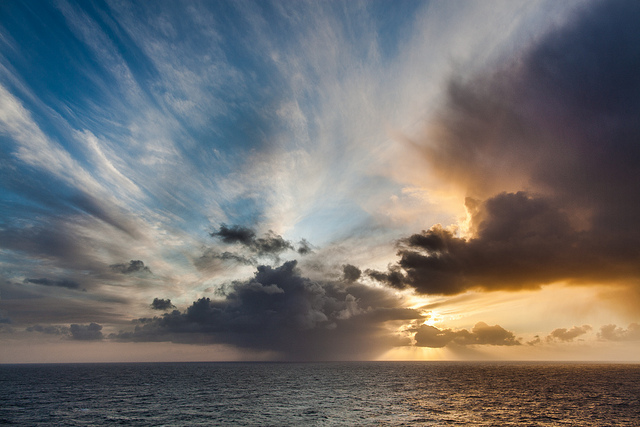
[{"x": 314, "y": 132}]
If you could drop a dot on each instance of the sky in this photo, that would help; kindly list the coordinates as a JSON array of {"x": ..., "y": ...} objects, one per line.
[{"x": 306, "y": 180}]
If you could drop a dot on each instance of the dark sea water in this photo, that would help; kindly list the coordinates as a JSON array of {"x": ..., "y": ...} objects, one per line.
[{"x": 281, "y": 394}]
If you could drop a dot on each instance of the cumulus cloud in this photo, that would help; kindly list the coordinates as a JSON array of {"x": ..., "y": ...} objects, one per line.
[
  {"x": 567, "y": 335},
  {"x": 281, "y": 310},
  {"x": 235, "y": 234},
  {"x": 520, "y": 242},
  {"x": 615, "y": 333},
  {"x": 304, "y": 247},
  {"x": 546, "y": 148},
  {"x": 90, "y": 332},
  {"x": 270, "y": 244},
  {"x": 351, "y": 273},
  {"x": 63, "y": 283},
  {"x": 134, "y": 266},
  {"x": 535, "y": 341},
  {"x": 162, "y": 304},
  {"x": 481, "y": 334}
]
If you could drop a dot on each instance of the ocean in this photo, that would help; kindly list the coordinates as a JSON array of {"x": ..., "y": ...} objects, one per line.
[{"x": 322, "y": 394}]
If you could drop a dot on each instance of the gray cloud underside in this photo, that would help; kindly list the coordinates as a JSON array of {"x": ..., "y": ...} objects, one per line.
[
  {"x": 561, "y": 122},
  {"x": 281, "y": 310}
]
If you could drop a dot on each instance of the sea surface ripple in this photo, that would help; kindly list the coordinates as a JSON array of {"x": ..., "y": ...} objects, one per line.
[{"x": 349, "y": 394}]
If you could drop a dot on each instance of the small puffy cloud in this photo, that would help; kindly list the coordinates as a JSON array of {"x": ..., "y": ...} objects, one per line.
[
  {"x": 63, "y": 283},
  {"x": 535, "y": 341},
  {"x": 481, "y": 334},
  {"x": 270, "y": 244},
  {"x": 235, "y": 234},
  {"x": 90, "y": 332},
  {"x": 430, "y": 336},
  {"x": 134, "y": 266},
  {"x": 351, "y": 273},
  {"x": 614, "y": 333},
  {"x": 491, "y": 335},
  {"x": 162, "y": 304},
  {"x": 567, "y": 335},
  {"x": 304, "y": 247}
]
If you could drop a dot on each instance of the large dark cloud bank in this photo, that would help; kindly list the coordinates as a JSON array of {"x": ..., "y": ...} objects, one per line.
[{"x": 548, "y": 149}]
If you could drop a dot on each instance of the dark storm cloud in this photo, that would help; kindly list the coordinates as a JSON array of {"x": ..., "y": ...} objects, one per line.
[
  {"x": 269, "y": 244},
  {"x": 615, "y": 333},
  {"x": 162, "y": 304},
  {"x": 520, "y": 242},
  {"x": 562, "y": 121},
  {"x": 283, "y": 311},
  {"x": 63, "y": 283},
  {"x": 481, "y": 334},
  {"x": 90, "y": 332},
  {"x": 567, "y": 335},
  {"x": 134, "y": 266},
  {"x": 351, "y": 273},
  {"x": 235, "y": 234}
]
